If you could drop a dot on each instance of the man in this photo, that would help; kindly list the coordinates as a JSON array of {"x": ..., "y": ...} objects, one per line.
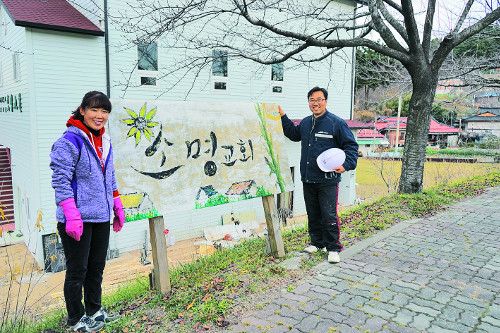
[{"x": 318, "y": 132}]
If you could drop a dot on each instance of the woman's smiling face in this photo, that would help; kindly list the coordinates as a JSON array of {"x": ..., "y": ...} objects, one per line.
[{"x": 95, "y": 118}]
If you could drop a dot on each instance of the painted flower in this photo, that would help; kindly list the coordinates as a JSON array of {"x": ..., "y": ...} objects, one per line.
[{"x": 141, "y": 123}]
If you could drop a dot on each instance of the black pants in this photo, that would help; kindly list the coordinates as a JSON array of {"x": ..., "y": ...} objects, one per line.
[
  {"x": 321, "y": 206},
  {"x": 85, "y": 261}
]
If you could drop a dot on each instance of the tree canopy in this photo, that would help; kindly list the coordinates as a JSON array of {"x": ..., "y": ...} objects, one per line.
[{"x": 484, "y": 44}]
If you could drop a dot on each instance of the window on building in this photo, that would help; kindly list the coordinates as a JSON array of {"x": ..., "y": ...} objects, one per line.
[
  {"x": 277, "y": 78},
  {"x": 16, "y": 67},
  {"x": 219, "y": 70},
  {"x": 147, "y": 64},
  {"x": 1, "y": 74}
]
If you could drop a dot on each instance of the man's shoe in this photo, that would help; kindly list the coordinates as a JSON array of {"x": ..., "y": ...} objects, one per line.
[
  {"x": 87, "y": 324},
  {"x": 105, "y": 316},
  {"x": 312, "y": 249},
  {"x": 333, "y": 257}
]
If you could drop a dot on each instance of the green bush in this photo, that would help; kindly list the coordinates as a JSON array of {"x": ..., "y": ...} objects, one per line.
[
  {"x": 467, "y": 152},
  {"x": 490, "y": 143}
]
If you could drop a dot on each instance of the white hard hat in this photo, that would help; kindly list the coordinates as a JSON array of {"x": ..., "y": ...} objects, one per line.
[{"x": 330, "y": 159}]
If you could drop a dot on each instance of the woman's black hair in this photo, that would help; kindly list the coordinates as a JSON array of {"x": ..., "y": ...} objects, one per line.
[{"x": 93, "y": 99}]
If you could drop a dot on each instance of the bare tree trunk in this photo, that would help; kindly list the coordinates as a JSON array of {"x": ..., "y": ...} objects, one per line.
[{"x": 417, "y": 129}]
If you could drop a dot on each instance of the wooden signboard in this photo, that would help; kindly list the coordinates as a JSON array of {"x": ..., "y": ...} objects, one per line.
[{"x": 172, "y": 156}]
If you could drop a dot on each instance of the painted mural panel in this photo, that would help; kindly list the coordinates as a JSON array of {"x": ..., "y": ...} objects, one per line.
[{"x": 172, "y": 156}]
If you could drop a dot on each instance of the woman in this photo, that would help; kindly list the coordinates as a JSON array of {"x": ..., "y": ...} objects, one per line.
[{"x": 85, "y": 190}]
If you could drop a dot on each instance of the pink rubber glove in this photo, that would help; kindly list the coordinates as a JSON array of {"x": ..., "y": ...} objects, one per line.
[
  {"x": 74, "y": 223},
  {"x": 119, "y": 218}
]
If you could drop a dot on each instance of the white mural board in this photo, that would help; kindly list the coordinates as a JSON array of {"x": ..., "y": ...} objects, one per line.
[{"x": 172, "y": 156}]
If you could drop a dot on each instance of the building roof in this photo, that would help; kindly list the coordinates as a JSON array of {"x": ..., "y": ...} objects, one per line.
[
  {"x": 390, "y": 123},
  {"x": 437, "y": 127},
  {"x": 368, "y": 134},
  {"x": 353, "y": 124},
  {"x": 56, "y": 15},
  {"x": 489, "y": 94},
  {"x": 482, "y": 118},
  {"x": 483, "y": 110},
  {"x": 485, "y": 114},
  {"x": 240, "y": 188}
]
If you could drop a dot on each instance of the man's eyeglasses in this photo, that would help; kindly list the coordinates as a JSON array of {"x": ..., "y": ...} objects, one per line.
[{"x": 317, "y": 100}]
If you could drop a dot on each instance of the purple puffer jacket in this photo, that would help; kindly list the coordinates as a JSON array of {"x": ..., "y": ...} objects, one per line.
[{"x": 77, "y": 173}]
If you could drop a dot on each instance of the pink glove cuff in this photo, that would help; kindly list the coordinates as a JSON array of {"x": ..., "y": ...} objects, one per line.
[
  {"x": 117, "y": 203},
  {"x": 119, "y": 218},
  {"x": 74, "y": 223},
  {"x": 70, "y": 210}
]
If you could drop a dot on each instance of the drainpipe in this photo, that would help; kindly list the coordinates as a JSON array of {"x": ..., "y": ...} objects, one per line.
[
  {"x": 106, "y": 48},
  {"x": 353, "y": 66}
]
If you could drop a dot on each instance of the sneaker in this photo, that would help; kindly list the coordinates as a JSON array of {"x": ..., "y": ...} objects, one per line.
[
  {"x": 87, "y": 324},
  {"x": 105, "y": 316},
  {"x": 312, "y": 249},
  {"x": 333, "y": 257}
]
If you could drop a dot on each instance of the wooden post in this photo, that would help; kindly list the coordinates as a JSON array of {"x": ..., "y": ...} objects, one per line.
[
  {"x": 159, "y": 251},
  {"x": 273, "y": 226}
]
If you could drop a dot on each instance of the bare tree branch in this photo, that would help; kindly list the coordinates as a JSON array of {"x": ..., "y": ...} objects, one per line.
[{"x": 427, "y": 35}]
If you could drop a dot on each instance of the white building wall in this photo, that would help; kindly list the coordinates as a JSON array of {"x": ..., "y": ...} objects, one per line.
[
  {"x": 15, "y": 126},
  {"x": 66, "y": 66}
]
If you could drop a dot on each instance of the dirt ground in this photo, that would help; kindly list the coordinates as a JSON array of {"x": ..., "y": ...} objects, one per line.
[{"x": 26, "y": 289}]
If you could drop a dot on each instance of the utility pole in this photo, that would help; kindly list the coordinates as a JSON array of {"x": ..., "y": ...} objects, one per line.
[{"x": 397, "y": 124}]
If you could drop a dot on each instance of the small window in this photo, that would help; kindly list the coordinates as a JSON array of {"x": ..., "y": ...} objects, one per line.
[
  {"x": 219, "y": 65},
  {"x": 277, "y": 72},
  {"x": 277, "y": 78},
  {"x": 147, "y": 64},
  {"x": 148, "y": 81},
  {"x": 1, "y": 74},
  {"x": 148, "y": 57},
  {"x": 16, "y": 67},
  {"x": 219, "y": 70}
]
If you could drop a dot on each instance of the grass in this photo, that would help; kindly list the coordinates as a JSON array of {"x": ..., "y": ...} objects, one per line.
[
  {"x": 141, "y": 216},
  {"x": 208, "y": 289},
  {"x": 372, "y": 187}
]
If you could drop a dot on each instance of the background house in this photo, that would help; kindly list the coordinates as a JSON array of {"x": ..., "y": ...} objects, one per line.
[
  {"x": 355, "y": 126},
  {"x": 53, "y": 52},
  {"x": 485, "y": 123},
  {"x": 369, "y": 141},
  {"x": 488, "y": 100},
  {"x": 439, "y": 134}
]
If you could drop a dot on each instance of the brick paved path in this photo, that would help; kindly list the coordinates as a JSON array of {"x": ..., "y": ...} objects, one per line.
[{"x": 435, "y": 274}]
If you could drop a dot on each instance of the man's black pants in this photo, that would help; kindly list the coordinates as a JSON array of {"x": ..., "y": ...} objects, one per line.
[
  {"x": 85, "y": 261},
  {"x": 321, "y": 206}
]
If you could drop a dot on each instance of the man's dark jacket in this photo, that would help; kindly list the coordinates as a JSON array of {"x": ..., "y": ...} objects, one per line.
[{"x": 317, "y": 135}]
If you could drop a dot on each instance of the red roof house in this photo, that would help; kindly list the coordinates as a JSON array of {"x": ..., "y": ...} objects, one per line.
[
  {"x": 354, "y": 124},
  {"x": 56, "y": 15},
  {"x": 438, "y": 132},
  {"x": 368, "y": 134}
]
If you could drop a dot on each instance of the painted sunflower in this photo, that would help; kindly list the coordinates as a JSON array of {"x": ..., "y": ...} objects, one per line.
[{"x": 141, "y": 123}]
